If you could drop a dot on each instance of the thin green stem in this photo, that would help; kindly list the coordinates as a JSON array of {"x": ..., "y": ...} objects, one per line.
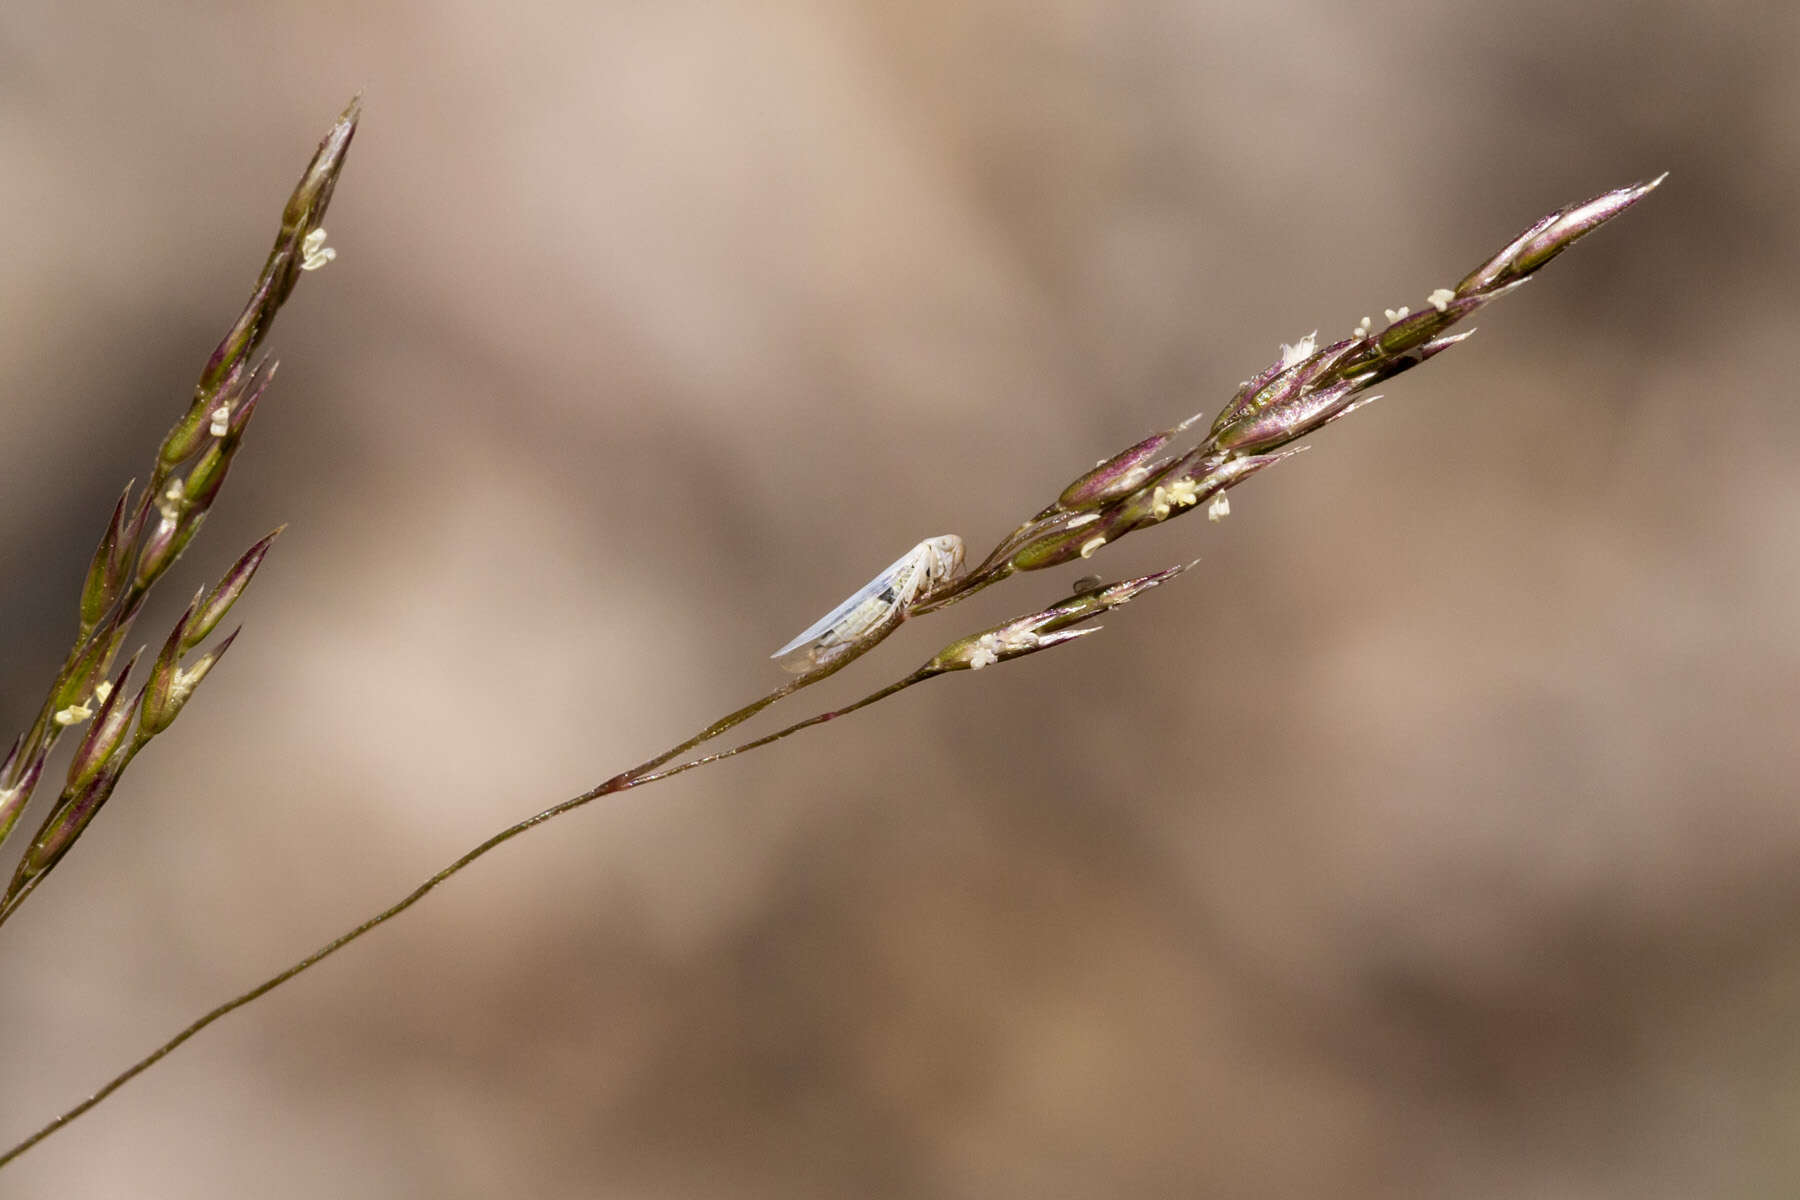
[
  {"x": 917, "y": 676},
  {"x": 717, "y": 728},
  {"x": 642, "y": 774}
]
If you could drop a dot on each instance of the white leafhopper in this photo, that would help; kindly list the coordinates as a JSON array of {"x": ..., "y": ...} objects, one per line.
[{"x": 876, "y": 607}]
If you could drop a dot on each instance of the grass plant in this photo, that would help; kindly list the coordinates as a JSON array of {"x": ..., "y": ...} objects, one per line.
[{"x": 1179, "y": 470}]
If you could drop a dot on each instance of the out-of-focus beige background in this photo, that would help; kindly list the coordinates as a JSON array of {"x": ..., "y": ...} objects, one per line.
[{"x": 1437, "y": 837}]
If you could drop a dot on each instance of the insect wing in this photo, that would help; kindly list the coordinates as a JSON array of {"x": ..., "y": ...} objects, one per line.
[{"x": 866, "y": 607}]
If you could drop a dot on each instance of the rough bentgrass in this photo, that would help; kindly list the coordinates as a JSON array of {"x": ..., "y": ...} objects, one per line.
[{"x": 1165, "y": 476}]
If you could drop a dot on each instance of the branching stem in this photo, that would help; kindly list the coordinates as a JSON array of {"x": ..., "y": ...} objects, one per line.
[{"x": 645, "y": 772}]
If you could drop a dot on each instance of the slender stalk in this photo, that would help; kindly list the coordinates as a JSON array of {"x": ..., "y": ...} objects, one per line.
[
  {"x": 1024, "y": 635},
  {"x": 716, "y": 729},
  {"x": 918, "y": 676},
  {"x": 641, "y": 774}
]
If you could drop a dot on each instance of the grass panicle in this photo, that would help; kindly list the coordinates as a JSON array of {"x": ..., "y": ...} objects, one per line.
[
  {"x": 1300, "y": 393},
  {"x": 142, "y": 540}
]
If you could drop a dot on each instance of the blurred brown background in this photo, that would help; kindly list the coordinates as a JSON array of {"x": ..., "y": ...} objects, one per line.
[{"x": 1436, "y": 838}]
